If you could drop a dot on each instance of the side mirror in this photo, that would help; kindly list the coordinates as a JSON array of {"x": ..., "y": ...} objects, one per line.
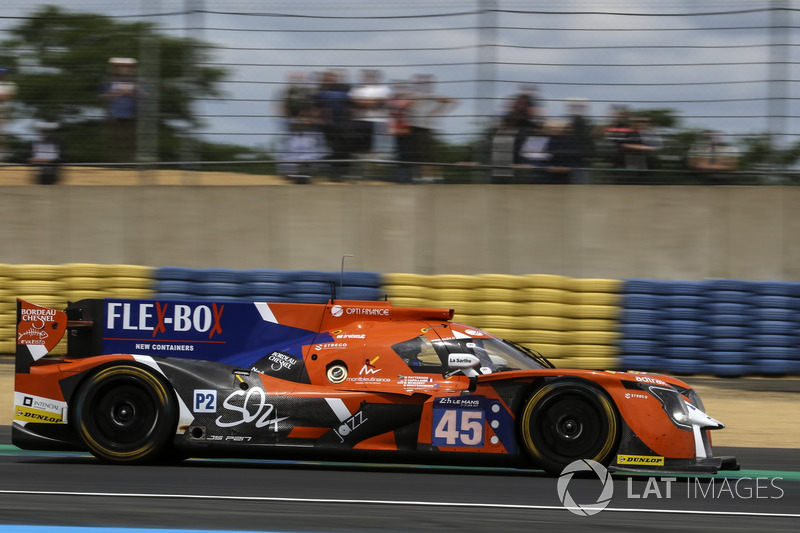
[{"x": 464, "y": 362}]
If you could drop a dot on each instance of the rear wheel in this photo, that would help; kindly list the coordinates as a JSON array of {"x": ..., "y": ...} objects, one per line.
[
  {"x": 569, "y": 420},
  {"x": 125, "y": 414}
]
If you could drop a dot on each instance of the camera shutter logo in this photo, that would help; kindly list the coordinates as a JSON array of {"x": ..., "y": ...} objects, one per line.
[{"x": 589, "y": 509}]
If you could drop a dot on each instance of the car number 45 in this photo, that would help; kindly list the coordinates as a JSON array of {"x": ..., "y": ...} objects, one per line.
[{"x": 457, "y": 427}]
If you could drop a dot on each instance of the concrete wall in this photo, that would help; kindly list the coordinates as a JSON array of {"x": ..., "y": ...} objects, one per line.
[{"x": 668, "y": 233}]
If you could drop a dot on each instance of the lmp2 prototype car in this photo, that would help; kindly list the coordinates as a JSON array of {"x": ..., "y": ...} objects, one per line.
[{"x": 148, "y": 380}]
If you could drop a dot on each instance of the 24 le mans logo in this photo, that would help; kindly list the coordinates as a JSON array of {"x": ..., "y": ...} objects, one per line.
[{"x": 164, "y": 317}]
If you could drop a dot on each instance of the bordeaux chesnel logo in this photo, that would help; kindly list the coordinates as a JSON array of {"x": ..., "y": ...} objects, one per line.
[{"x": 587, "y": 509}]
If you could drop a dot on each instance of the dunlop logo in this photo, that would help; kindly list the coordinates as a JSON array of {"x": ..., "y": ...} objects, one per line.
[{"x": 650, "y": 460}]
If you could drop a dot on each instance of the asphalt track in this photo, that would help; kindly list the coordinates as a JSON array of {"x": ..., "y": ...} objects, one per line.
[{"x": 44, "y": 489}]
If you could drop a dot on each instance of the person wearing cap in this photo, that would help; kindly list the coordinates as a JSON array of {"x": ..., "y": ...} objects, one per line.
[
  {"x": 121, "y": 94},
  {"x": 7, "y": 91}
]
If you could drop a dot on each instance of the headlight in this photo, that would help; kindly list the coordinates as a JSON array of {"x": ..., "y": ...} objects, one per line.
[
  {"x": 694, "y": 399},
  {"x": 674, "y": 405}
]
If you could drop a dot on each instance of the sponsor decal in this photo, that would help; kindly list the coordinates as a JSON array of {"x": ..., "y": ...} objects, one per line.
[
  {"x": 205, "y": 401},
  {"x": 651, "y": 460},
  {"x": 279, "y": 361},
  {"x": 338, "y": 310},
  {"x": 28, "y": 414},
  {"x": 29, "y": 408},
  {"x": 40, "y": 326},
  {"x": 652, "y": 381},
  {"x": 249, "y": 407},
  {"x": 351, "y": 336},
  {"x": 164, "y": 317},
  {"x": 369, "y": 367},
  {"x": 629, "y": 395},
  {"x": 415, "y": 381},
  {"x": 147, "y": 347},
  {"x": 349, "y": 425},
  {"x": 329, "y": 345},
  {"x": 229, "y": 438},
  {"x": 459, "y": 401},
  {"x": 474, "y": 332}
]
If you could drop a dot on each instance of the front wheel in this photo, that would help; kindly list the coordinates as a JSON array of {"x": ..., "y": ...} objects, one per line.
[
  {"x": 125, "y": 414},
  {"x": 565, "y": 421}
]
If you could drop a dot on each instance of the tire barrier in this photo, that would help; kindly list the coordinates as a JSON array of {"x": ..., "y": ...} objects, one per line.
[
  {"x": 56, "y": 285},
  {"x": 722, "y": 327}
]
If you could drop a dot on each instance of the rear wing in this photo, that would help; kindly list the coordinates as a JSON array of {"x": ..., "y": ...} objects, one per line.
[{"x": 236, "y": 333}]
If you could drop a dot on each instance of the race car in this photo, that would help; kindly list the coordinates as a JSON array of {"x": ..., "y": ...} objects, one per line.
[{"x": 145, "y": 381}]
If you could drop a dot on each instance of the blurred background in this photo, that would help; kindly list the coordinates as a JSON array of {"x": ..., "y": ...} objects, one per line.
[
  {"x": 582, "y": 112},
  {"x": 484, "y": 91}
]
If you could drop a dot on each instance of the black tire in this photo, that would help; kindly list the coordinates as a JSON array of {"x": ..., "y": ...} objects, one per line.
[
  {"x": 567, "y": 420},
  {"x": 125, "y": 414}
]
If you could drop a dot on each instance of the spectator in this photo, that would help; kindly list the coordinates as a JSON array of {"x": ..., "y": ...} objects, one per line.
[
  {"x": 629, "y": 150},
  {"x": 504, "y": 150},
  {"x": 399, "y": 109},
  {"x": 579, "y": 142},
  {"x": 369, "y": 100},
  {"x": 46, "y": 153},
  {"x": 533, "y": 149},
  {"x": 304, "y": 142},
  {"x": 714, "y": 158},
  {"x": 333, "y": 101},
  {"x": 122, "y": 94},
  {"x": 424, "y": 119},
  {"x": 297, "y": 102},
  {"x": 7, "y": 91},
  {"x": 565, "y": 155},
  {"x": 526, "y": 107}
]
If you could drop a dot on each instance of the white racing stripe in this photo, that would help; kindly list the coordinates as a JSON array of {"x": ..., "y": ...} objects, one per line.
[{"x": 408, "y": 503}]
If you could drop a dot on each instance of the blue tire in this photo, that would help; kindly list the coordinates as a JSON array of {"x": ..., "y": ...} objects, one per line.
[
  {"x": 174, "y": 286},
  {"x": 684, "y": 327},
  {"x": 775, "y": 327},
  {"x": 780, "y": 302},
  {"x": 682, "y": 339},
  {"x": 731, "y": 371},
  {"x": 787, "y": 341},
  {"x": 220, "y": 289},
  {"x": 689, "y": 288},
  {"x": 774, "y": 367},
  {"x": 641, "y": 301},
  {"x": 686, "y": 366},
  {"x": 308, "y": 298},
  {"x": 265, "y": 275},
  {"x": 776, "y": 352},
  {"x": 686, "y": 300},
  {"x": 684, "y": 352},
  {"x": 360, "y": 293},
  {"x": 729, "y": 345},
  {"x": 222, "y": 275},
  {"x": 639, "y": 347},
  {"x": 640, "y": 316},
  {"x": 729, "y": 358},
  {"x": 684, "y": 313},
  {"x": 729, "y": 320},
  {"x": 646, "y": 363}
]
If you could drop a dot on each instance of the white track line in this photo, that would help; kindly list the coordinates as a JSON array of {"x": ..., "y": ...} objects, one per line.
[{"x": 386, "y": 502}]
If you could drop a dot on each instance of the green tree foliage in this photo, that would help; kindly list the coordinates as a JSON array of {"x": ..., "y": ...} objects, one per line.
[{"x": 60, "y": 61}]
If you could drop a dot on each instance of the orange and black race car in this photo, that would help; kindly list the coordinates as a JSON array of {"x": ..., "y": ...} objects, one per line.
[{"x": 148, "y": 380}]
